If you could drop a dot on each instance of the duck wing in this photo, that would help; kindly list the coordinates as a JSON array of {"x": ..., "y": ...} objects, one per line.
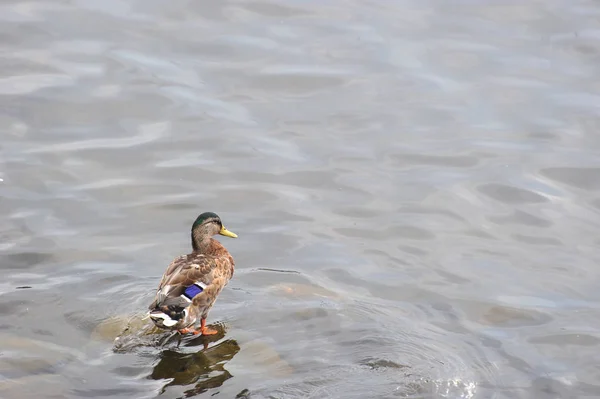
[{"x": 183, "y": 272}]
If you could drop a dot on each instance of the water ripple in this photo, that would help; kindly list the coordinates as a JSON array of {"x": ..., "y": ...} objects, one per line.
[{"x": 414, "y": 186}]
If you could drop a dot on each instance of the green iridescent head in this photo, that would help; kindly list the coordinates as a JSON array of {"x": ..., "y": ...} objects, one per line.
[{"x": 210, "y": 221}]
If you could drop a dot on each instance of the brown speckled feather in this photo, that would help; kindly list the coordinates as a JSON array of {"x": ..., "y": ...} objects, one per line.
[{"x": 186, "y": 270}]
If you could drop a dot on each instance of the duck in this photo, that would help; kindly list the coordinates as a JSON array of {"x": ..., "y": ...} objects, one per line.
[{"x": 191, "y": 283}]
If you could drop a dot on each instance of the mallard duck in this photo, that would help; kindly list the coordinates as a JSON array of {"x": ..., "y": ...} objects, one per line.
[{"x": 191, "y": 283}]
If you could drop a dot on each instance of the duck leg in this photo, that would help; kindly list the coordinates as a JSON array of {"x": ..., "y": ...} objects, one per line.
[
  {"x": 206, "y": 330},
  {"x": 203, "y": 330}
]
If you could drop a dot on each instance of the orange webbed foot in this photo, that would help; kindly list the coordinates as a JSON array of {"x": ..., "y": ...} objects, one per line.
[{"x": 206, "y": 330}]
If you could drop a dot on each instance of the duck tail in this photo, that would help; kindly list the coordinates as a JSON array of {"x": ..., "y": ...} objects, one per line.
[
  {"x": 167, "y": 315},
  {"x": 166, "y": 312},
  {"x": 163, "y": 319}
]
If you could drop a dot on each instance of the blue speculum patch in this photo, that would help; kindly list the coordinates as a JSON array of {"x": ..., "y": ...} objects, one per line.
[{"x": 192, "y": 291}]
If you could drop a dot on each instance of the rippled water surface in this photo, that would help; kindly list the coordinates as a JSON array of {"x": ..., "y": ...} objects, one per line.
[{"x": 415, "y": 186}]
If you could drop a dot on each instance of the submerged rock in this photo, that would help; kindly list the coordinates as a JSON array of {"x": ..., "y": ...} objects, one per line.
[
  {"x": 128, "y": 332},
  {"x": 303, "y": 291},
  {"x": 257, "y": 358},
  {"x": 47, "y": 386},
  {"x": 123, "y": 325},
  {"x": 30, "y": 367},
  {"x": 24, "y": 356}
]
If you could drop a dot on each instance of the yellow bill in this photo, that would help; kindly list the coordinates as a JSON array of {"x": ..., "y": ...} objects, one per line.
[{"x": 227, "y": 233}]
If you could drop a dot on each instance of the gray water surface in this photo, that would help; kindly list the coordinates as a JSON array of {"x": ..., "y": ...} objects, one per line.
[{"x": 415, "y": 186}]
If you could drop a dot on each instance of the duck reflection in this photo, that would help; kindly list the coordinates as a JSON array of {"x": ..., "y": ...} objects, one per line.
[{"x": 205, "y": 369}]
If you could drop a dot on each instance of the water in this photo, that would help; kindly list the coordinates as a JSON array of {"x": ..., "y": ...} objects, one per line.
[{"x": 414, "y": 185}]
